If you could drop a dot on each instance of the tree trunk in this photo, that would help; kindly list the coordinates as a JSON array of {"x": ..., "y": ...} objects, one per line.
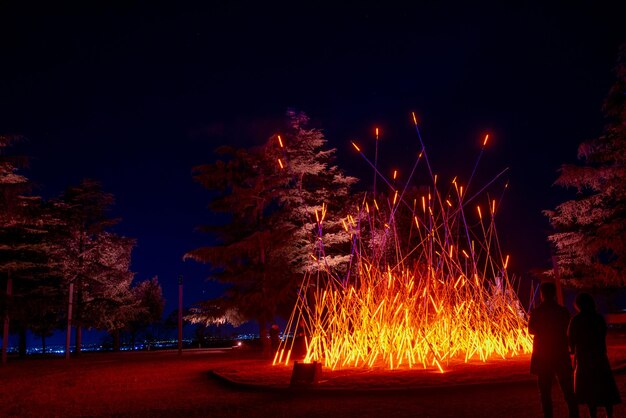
[
  {"x": 79, "y": 339},
  {"x": 116, "y": 340},
  {"x": 557, "y": 280},
  {"x": 5, "y": 326},
  {"x": 78, "y": 318},
  {"x": 265, "y": 342},
  {"x": 22, "y": 342},
  {"x": 68, "y": 332},
  {"x": 78, "y": 315}
]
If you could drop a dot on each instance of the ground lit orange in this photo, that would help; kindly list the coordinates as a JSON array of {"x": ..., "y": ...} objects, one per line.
[{"x": 445, "y": 297}]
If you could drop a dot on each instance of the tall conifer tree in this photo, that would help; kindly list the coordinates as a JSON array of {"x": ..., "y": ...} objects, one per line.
[
  {"x": 95, "y": 260},
  {"x": 590, "y": 237},
  {"x": 272, "y": 194}
]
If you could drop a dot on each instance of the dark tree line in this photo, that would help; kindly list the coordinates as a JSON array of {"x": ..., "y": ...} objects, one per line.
[{"x": 61, "y": 266}]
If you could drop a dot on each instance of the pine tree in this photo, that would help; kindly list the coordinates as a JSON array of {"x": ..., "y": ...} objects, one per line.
[
  {"x": 31, "y": 295},
  {"x": 590, "y": 237},
  {"x": 108, "y": 301},
  {"x": 316, "y": 195},
  {"x": 272, "y": 194},
  {"x": 93, "y": 259},
  {"x": 149, "y": 304}
]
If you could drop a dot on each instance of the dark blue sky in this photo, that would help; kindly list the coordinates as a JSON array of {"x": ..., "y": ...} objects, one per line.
[{"x": 135, "y": 96}]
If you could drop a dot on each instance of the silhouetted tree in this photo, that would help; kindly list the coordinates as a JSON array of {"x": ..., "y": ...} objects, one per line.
[
  {"x": 24, "y": 253},
  {"x": 148, "y": 308},
  {"x": 275, "y": 195},
  {"x": 25, "y": 259},
  {"x": 95, "y": 260},
  {"x": 590, "y": 237}
]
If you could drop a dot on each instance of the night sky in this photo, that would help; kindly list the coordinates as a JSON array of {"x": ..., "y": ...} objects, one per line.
[{"x": 136, "y": 96}]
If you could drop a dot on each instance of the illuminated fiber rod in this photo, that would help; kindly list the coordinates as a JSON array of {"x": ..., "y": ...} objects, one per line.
[
  {"x": 382, "y": 176},
  {"x": 417, "y": 160},
  {"x": 376, "y": 162},
  {"x": 419, "y": 136},
  {"x": 480, "y": 154}
]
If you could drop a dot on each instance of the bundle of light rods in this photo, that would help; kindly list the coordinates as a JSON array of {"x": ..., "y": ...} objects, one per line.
[{"x": 452, "y": 303}]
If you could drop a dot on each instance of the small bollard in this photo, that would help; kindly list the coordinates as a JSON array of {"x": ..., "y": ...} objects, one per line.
[{"x": 306, "y": 374}]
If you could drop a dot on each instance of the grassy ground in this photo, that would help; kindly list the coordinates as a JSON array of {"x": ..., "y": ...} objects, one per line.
[{"x": 165, "y": 384}]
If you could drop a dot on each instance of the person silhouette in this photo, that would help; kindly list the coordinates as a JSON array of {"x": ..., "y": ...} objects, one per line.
[
  {"x": 594, "y": 384},
  {"x": 548, "y": 322},
  {"x": 274, "y": 338}
]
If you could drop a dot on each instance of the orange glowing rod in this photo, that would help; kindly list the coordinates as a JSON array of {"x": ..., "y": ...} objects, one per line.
[
  {"x": 395, "y": 174},
  {"x": 486, "y": 139},
  {"x": 356, "y": 147},
  {"x": 280, "y": 141},
  {"x": 280, "y": 163}
]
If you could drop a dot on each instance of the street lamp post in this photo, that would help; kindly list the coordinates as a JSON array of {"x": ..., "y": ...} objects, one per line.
[{"x": 180, "y": 314}]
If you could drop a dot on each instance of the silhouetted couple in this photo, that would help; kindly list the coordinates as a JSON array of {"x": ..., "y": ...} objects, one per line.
[{"x": 584, "y": 336}]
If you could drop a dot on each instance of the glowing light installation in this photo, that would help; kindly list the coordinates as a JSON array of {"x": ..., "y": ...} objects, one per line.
[{"x": 425, "y": 295}]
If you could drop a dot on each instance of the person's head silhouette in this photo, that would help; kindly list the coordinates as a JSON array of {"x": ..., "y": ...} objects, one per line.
[
  {"x": 547, "y": 291},
  {"x": 584, "y": 303}
]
